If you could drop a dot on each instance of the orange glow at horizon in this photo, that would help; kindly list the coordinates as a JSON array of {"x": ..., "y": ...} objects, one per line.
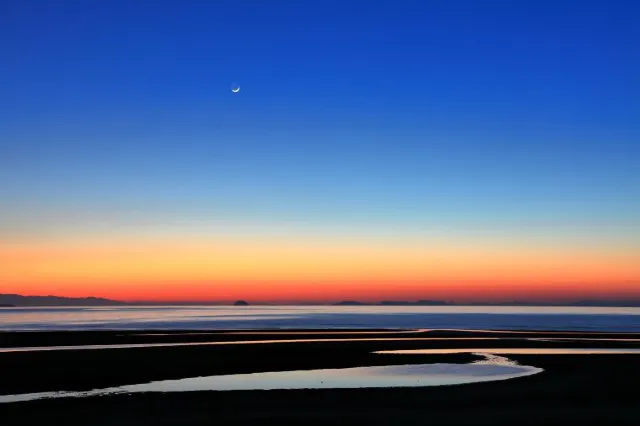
[{"x": 320, "y": 270}]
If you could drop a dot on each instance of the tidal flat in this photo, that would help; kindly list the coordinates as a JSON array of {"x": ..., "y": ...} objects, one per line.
[{"x": 577, "y": 387}]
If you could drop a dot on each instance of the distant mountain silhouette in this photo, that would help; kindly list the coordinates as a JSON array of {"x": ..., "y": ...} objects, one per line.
[
  {"x": 19, "y": 300},
  {"x": 418, "y": 303},
  {"x": 594, "y": 303},
  {"x": 514, "y": 303},
  {"x": 432, "y": 303},
  {"x": 608, "y": 303}
]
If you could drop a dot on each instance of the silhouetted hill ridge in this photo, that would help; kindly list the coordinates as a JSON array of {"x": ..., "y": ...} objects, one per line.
[{"x": 19, "y": 300}]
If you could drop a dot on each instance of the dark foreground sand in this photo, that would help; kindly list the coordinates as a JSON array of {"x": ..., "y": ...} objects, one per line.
[{"x": 573, "y": 389}]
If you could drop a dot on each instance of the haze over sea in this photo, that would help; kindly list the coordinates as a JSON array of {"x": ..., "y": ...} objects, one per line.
[{"x": 325, "y": 317}]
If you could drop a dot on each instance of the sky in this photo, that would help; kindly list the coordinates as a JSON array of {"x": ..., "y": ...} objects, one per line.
[{"x": 458, "y": 150}]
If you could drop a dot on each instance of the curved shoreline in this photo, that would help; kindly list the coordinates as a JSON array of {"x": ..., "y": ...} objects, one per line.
[
  {"x": 491, "y": 368},
  {"x": 570, "y": 389}
]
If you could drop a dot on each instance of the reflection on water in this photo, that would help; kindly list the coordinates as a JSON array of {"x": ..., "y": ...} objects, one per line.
[
  {"x": 492, "y": 368},
  {"x": 337, "y": 339},
  {"x": 279, "y": 332},
  {"x": 320, "y": 317},
  {"x": 514, "y": 351},
  {"x": 580, "y": 339},
  {"x": 238, "y": 342},
  {"x": 361, "y": 377}
]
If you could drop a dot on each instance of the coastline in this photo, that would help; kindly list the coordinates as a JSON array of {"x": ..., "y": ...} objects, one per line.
[{"x": 572, "y": 389}]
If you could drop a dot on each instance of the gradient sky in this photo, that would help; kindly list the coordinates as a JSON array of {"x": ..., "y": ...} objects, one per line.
[{"x": 460, "y": 150}]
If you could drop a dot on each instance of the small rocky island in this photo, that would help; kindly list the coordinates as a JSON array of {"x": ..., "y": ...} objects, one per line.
[{"x": 240, "y": 303}]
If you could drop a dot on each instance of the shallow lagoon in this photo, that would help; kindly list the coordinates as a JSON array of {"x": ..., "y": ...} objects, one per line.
[{"x": 491, "y": 368}]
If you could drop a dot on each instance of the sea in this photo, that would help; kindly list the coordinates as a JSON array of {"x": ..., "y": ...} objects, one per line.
[{"x": 613, "y": 319}]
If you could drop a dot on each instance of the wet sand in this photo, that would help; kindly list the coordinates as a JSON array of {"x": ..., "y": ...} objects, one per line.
[{"x": 573, "y": 389}]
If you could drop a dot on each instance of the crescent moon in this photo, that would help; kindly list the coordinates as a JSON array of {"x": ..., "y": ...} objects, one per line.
[{"x": 235, "y": 89}]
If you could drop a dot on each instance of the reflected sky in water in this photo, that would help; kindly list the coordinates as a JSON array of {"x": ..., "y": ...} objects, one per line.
[
  {"x": 492, "y": 368},
  {"x": 238, "y": 342},
  {"x": 326, "y": 317},
  {"x": 515, "y": 351}
]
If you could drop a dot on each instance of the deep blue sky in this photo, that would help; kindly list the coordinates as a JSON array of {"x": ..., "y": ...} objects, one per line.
[{"x": 509, "y": 116}]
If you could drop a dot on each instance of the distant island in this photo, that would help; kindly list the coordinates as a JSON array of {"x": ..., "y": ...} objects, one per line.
[
  {"x": 631, "y": 303},
  {"x": 586, "y": 303},
  {"x": 395, "y": 303},
  {"x": 14, "y": 300},
  {"x": 609, "y": 303},
  {"x": 17, "y": 300},
  {"x": 417, "y": 302}
]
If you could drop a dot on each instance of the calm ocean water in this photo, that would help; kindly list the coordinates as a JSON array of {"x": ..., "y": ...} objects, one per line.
[{"x": 291, "y": 317}]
